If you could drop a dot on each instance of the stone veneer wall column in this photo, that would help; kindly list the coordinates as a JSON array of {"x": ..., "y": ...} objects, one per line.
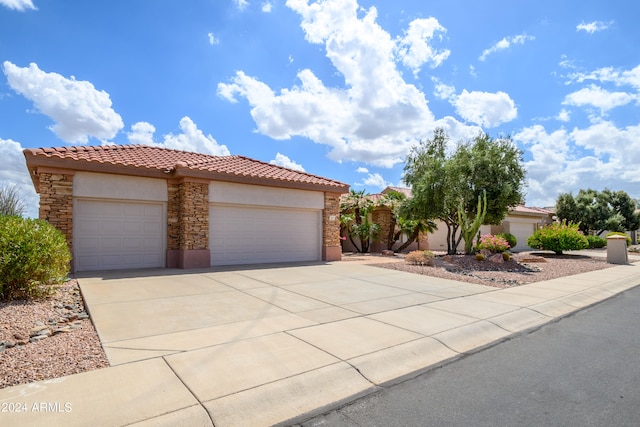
[
  {"x": 188, "y": 224},
  {"x": 382, "y": 217},
  {"x": 56, "y": 202},
  {"x": 331, "y": 248}
]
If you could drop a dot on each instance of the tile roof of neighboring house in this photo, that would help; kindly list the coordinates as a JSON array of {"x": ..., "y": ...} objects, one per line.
[
  {"x": 167, "y": 163},
  {"x": 529, "y": 210}
]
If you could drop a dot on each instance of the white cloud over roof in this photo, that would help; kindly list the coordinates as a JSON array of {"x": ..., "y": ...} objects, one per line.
[
  {"x": 286, "y": 162},
  {"x": 191, "y": 138},
  {"x": 78, "y": 108},
  {"x": 377, "y": 116}
]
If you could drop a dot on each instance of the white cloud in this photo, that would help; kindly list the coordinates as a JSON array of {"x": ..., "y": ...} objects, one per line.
[
  {"x": 362, "y": 170},
  {"x": 78, "y": 108},
  {"x": 597, "y": 156},
  {"x": 375, "y": 118},
  {"x": 213, "y": 40},
  {"x": 414, "y": 49},
  {"x": 374, "y": 180},
  {"x": 241, "y": 4},
  {"x": 597, "y": 97},
  {"x": 594, "y": 26},
  {"x": 564, "y": 115},
  {"x": 484, "y": 108},
  {"x": 286, "y": 162},
  {"x": 191, "y": 138},
  {"x": 443, "y": 91},
  {"x": 505, "y": 43},
  {"x": 267, "y": 6},
  {"x": 14, "y": 173},
  {"x": 472, "y": 71},
  {"x": 19, "y": 5},
  {"x": 609, "y": 75}
]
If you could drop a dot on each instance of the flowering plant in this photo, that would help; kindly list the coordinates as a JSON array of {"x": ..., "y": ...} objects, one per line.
[{"x": 493, "y": 243}]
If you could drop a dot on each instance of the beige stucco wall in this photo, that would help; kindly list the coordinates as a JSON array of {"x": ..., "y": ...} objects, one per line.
[
  {"x": 109, "y": 186},
  {"x": 258, "y": 195}
]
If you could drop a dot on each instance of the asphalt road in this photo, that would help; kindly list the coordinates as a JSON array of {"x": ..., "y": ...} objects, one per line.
[{"x": 583, "y": 370}]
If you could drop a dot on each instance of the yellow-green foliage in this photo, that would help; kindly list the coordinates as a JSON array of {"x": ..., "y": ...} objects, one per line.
[
  {"x": 419, "y": 258},
  {"x": 480, "y": 257},
  {"x": 506, "y": 256},
  {"x": 34, "y": 257}
]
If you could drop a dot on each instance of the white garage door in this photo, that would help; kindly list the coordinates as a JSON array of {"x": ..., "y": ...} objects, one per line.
[
  {"x": 248, "y": 235},
  {"x": 522, "y": 231},
  {"x": 112, "y": 235}
]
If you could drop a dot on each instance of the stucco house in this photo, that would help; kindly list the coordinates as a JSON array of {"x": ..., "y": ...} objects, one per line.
[{"x": 137, "y": 206}]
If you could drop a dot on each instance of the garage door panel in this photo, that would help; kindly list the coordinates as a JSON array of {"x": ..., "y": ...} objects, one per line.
[
  {"x": 243, "y": 235},
  {"x": 117, "y": 234}
]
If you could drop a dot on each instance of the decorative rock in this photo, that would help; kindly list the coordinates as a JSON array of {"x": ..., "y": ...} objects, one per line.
[
  {"x": 83, "y": 316},
  {"x": 72, "y": 317},
  {"x": 38, "y": 323},
  {"x": 388, "y": 252},
  {"x": 2, "y": 347},
  {"x": 9, "y": 344},
  {"x": 37, "y": 338},
  {"x": 496, "y": 258},
  {"x": 19, "y": 336},
  {"x": 62, "y": 330},
  {"x": 37, "y": 329},
  {"x": 46, "y": 332}
]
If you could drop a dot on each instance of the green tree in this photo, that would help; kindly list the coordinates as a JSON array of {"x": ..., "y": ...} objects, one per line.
[
  {"x": 445, "y": 184},
  {"x": 354, "y": 216},
  {"x": 392, "y": 200},
  {"x": 10, "y": 203},
  {"x": 598, "y": 211}
]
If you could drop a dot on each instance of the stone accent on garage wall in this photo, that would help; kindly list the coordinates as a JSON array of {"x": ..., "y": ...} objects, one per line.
[
  {"x": 188, "y": 224},
  {"x": 331, "y": 248},
  {"x": 56, "y": 201}
]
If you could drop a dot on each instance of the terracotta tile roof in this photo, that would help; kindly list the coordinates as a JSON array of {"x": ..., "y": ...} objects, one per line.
[
  {"x": 531, "y": 210},
  {"x": 175, "y": 162}
]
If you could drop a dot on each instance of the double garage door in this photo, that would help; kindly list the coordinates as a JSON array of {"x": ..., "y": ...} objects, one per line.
[
  {"x": 112, "y": 235},
  {"x": 247, "y": 234}
]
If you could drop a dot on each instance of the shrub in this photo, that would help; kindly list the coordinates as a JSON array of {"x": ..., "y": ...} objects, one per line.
[
  {"x": 596, "y": 242},
  {"x": 505, "y": 256},
  {"x": 558, "y": 237},
  {"x": 419, "y": 258},
  {"x": 480, "y": 257},
  {"x": 34, "y": 257},
  {"x": 510, "y": 238},
  {"x": 618, "y": 233},
  {"x": 493, "y": 243}
]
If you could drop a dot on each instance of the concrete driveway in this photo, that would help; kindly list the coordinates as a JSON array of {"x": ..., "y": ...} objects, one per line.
[
  {"x": 146, "y": 314},
  {"x": 274, "y": 344}
]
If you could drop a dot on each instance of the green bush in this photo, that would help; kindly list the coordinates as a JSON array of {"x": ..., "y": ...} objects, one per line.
[
  {"x": 510, "y": 238},
  {"x": 34, "y": 257},
  {"x": 596, "y": 242},
  {"x": 558, "y": 237},
  {"x": 419, "y": 258},
  {"x": 618, "y": 233},
  {"x": 505, "y": 256},
  {"x": 480, "y": 257}
]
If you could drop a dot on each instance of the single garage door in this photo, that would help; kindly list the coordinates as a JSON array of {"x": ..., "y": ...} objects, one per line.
[
  {"x": 112, "y": 235},
  {"x": 522, "y": 231},
  {"x": 252, "y": 235}
]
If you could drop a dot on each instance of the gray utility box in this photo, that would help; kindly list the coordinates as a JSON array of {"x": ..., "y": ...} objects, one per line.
[{"x": 617, "y": 250}]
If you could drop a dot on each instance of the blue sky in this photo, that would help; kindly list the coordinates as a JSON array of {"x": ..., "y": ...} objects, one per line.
[{"x": 338, "y": 88}]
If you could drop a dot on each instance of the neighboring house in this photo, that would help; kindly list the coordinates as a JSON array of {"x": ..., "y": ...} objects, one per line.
[
  {"x": 136, "y": 206},
  {"x": 521, "y": 221}
]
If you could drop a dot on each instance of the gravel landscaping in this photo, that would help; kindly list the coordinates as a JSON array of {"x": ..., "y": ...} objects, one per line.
[
  {"x": 523, "y": 268},
  {"x": 47, "y": 338},
  {"x": 54, "y": 337}
]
